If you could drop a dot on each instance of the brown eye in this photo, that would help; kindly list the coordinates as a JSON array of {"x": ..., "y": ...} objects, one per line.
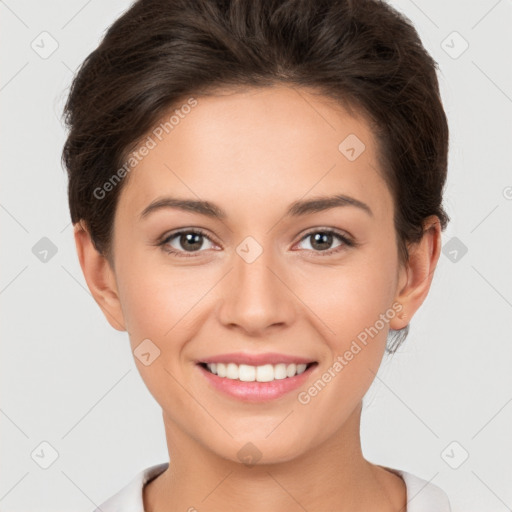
[
  {"x": 185, "y": 241},
  {"x": 321, "y": 241}
]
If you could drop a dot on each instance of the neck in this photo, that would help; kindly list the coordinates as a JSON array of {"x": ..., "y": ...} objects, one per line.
[{"x": 330, "y": 476}]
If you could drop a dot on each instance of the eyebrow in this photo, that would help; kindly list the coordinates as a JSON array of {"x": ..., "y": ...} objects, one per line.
[{"x": 296, "y": 209}]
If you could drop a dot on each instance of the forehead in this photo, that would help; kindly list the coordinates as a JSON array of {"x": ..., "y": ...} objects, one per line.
[{"x": 265, "y": 145}]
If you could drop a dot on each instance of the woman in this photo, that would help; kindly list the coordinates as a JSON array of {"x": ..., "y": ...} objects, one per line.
[{"x": 256, "y": 189}]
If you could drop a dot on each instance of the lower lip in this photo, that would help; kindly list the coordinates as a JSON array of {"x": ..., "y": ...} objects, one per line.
[{"x": 256, "y": 391}]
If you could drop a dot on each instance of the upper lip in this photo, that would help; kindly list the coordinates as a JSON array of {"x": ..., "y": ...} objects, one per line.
[{"x": 256, "y": 359}]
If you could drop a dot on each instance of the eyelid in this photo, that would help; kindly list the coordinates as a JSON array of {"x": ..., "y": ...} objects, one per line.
[
  {"x": 165, "y": 239},
  {"x": 347, "y": 240},
  {"x": 324, "y": 229},
  {"x": 190, "y": 229}
]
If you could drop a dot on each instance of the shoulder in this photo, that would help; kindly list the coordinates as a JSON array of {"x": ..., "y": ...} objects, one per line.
[
  {"x": 129, "y": 498},
  {"x": 422, "y": 495}
]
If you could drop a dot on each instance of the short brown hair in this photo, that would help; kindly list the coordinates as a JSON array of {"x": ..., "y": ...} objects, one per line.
[{"x": 362, "y": 53}]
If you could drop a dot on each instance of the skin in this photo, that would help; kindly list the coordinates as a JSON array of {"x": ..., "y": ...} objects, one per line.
[{"x": 253, "y": 153}]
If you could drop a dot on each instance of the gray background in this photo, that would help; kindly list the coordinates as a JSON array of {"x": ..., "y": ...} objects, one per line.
[{"x": 68, "y": 378}]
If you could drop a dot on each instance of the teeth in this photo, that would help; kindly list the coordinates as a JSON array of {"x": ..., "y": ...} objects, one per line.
[
  {"x": 232, "y": 371},
  {"x": 246, "y": 373},
  {"x": 221, "y": 369},
  {"x": 264, "y": 373}
]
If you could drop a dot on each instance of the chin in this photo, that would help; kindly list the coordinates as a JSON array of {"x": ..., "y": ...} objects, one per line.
[{"x": 257, "y": 451}]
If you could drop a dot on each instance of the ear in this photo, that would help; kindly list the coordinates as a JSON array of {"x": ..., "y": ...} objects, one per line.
[
  {"x": 415, "y": 277},
  {"x": 100, "y": 277}
]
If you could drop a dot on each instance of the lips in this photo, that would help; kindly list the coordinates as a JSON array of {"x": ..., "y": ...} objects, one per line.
[{"x": 256, "y": 377}]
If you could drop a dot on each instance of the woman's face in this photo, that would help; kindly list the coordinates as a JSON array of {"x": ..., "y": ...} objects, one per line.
[{"x": 268, "y": 278}]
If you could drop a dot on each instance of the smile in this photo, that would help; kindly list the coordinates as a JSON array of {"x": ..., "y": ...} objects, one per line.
[
  {"x": 264, "y": 373},
  {"x": 250, "y": 383}
]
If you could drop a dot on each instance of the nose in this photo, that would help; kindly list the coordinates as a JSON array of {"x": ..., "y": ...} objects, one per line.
[{"x": 256, "y": 295}]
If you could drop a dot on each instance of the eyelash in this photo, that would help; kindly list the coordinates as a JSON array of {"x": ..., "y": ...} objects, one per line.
[{"x": 183, "y": 254}]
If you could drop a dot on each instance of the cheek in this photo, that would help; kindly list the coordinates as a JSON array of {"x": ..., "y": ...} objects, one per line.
[
  {"x": 354, "y": 301},
  {"x": 158, "y": 306},
  {"x": 351, "y": 306},
  {"x": 156, "y": 298},
  {"x": 351, "y": 298}
]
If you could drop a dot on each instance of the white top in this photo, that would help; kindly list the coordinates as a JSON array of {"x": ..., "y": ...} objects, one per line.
[{"x": 422, "y": 496}]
